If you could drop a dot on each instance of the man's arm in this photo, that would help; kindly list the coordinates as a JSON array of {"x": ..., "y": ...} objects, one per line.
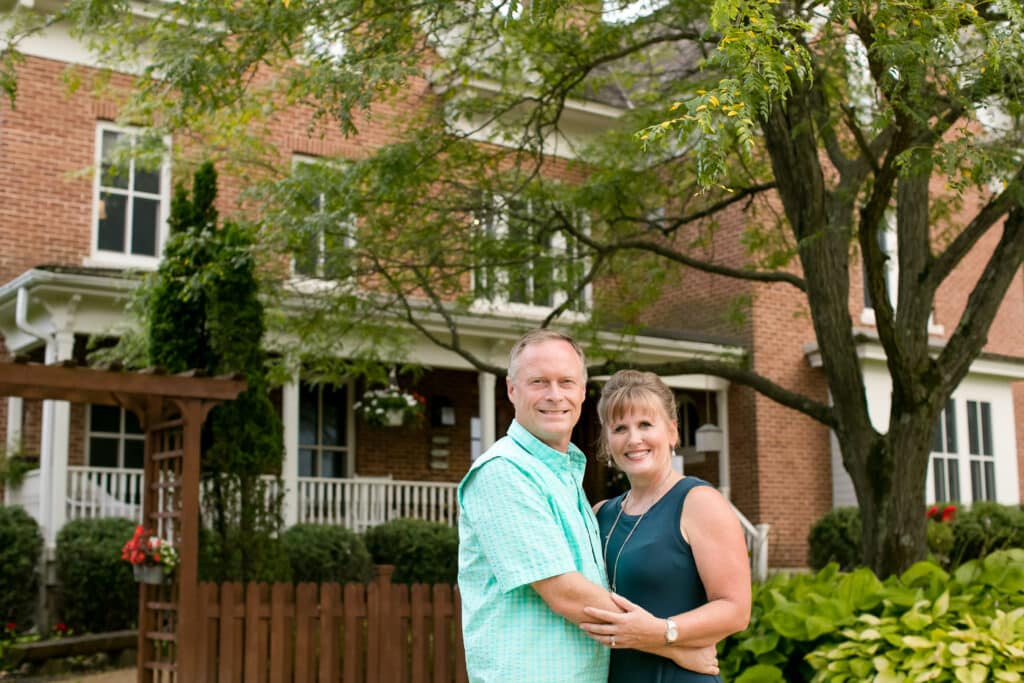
[{"x": 566, "y": 595}]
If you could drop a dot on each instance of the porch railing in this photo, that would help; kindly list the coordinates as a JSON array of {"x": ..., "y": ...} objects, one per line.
[
  {"x": 756, "y": 536},
  {"x": 104, "y": 492}
]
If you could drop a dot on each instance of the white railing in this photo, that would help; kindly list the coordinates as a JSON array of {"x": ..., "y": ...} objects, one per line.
[
  {"x": 26, "y": 495},
  {"x": 756, "y": 536},
  {"x": 363, "y": 502},
  {"x": 104, "y": 492}
]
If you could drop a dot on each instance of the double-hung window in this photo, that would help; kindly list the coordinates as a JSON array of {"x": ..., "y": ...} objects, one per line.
[
  {"x": 945, "y": 464},
  {"x": 325, "y": 448},
  {"x": 534, "y": 267},
  {"x": 131, "y": 201},
  {"x": 325, "y": 245},
  {"x": 979, "y": 447}
]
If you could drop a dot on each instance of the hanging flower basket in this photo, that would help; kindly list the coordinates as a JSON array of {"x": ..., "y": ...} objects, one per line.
[
  {"x": 390, "y": 406},
  {"x": 152, "y": 558}
]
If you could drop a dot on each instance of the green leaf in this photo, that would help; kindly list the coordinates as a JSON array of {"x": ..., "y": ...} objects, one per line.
[{"x": 761, "y": 673}]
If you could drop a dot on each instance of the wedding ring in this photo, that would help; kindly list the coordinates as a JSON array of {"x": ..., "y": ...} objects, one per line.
[{"x": 611, "y": 641}]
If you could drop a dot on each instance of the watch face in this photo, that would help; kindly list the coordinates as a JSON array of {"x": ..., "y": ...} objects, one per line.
[{"x": 670, "y": 631}]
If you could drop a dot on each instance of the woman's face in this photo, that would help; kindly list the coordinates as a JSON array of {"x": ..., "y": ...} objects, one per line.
[{"x": 642, "y": 439}]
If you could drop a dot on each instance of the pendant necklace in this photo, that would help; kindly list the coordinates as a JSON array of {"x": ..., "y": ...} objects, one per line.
[{"x": 618, "y": 555}]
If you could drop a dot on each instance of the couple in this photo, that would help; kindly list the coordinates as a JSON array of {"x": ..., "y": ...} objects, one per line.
[{"x": 535, "y": 564}]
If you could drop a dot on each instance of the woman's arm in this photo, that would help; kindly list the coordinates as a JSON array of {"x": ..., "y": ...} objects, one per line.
[{"x": 711, "y": 528}]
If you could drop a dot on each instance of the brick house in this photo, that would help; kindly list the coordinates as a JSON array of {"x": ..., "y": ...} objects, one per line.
[{"x": 71, "y": 242}]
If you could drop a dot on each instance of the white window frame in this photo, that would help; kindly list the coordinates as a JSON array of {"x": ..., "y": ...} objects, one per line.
[
  {"x": 349, "y": 241},
  {"x": 500, "y": 303},
  {"x": 981, "y": 449},
  {"x": 948, "y": 457},
  {"x": 125, "y": 259},
  {"x": 121, "y": 435},
  {"x": 348, "y": 449},
  {"x": 889, "y": 243}
]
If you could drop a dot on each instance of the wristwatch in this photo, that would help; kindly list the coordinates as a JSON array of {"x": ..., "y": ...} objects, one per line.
[{"x": 671, "y": 632}]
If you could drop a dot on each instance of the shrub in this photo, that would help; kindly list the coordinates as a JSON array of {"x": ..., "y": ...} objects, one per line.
[
  {"x": 923, "y": 625},
  {"x": 320, "y": 553},
  {"x": 422, "y": 552},
  {"x": 97, "y": 592},
  {"x": 21, "y": 546},
  {"x": 984, "y": 528},
  {"x": 836, "y": 538}
]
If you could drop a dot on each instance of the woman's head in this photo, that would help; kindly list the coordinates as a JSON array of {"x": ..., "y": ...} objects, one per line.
[{"x": 632, "y": 391}]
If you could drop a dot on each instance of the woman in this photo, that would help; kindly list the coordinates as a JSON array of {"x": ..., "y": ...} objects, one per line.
[{"x": 673, "y": 547}]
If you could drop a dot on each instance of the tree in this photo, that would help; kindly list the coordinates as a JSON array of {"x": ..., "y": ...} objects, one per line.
[
  {"x": 203, "y": 314},
  {"x": 813, "y": 123}
]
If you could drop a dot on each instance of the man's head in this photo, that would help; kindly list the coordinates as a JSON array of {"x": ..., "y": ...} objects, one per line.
[{"x": 546, "y": 382}]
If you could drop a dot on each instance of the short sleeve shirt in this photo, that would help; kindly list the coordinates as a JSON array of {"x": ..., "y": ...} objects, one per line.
[{"x": 523, "y": 518}]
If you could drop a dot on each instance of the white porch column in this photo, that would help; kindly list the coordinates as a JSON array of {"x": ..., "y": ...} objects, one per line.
[
  {"x": 722, "y": 404},
  {"x": 290, "y": 466},
  {"x": 15, "y": 411},
  {"x": 486, "y": 383},
  {"x": 60, "y": 430}
]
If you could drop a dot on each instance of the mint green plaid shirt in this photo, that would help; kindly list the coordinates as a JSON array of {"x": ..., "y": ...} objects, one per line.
[{"x": 524, "y": 517}]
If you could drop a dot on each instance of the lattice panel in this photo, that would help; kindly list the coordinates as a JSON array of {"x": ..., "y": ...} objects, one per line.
[{"x": 159, "y": 604}]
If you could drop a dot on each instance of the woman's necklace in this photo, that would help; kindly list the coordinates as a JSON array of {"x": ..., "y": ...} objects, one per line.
[{"x": 618, "y": 555}]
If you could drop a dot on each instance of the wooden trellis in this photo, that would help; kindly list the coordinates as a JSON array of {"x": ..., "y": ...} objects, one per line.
[{"x": 171, "y": 410}]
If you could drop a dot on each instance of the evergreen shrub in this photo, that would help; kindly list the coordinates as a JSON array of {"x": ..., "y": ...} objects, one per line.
[
  {"x": 835, "y": 538},
  {"x": 320, "y": 553},
  {"x": 21, "y": 546},
  {"x": 97, "y": 590},
  {"x": 984, "y": 528},
  {"x": 421, "y": 551}
]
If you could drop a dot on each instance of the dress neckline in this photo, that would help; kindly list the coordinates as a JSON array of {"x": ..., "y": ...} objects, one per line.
[{"x": 670, "y": 489}]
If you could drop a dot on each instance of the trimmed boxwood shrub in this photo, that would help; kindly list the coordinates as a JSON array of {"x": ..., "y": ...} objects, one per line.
[
  {"x": 835, "y": 538},
  {"x": 97, "y": 590},
  {"x": 321, "y": 553},
  {"x": 422, "y": 551},
  {"x": 21, "y": 546}
]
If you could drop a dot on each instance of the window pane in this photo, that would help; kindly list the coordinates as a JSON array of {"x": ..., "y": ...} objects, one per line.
[
  {"x": 951, "y": 446},
  {"x": 990, "y": 481},
  {"x": 307, "y": 415},
  {"x": 972, "y": 427},
  {"x": 976, "y": 483},
  {"x": 953, "y": 469},
  {"x": 131, "y": 423},
  {"x": 112, "y": 222},
  {"x": 147, "y": 180},
  {"x": 332, "y": 464},
  {"x": 337, "y": 253},
  {"x": 306, "y": 463},
  {"x": 103, "y": 452},
  {"x": 134, "y": 450},
  {"x": 334, "y": 416},
  {"x": 145, "y": 215},
  {"x": 939, "y": 480},
  {"x": 110, "y": 176},
  {"x": 986, "y": 428},
  {"x": 105, "y": 419},
  {"x": 308, "y": 255},
  {"x": 937, "y": 435}
]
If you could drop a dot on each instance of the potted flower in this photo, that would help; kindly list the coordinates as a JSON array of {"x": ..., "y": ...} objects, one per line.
[
  {"x": 152, "y": 558},
  {"x": 389, "y": 406}
]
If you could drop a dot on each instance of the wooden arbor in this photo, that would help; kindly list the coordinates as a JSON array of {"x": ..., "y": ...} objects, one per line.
[{"x": 171, "y": 410}]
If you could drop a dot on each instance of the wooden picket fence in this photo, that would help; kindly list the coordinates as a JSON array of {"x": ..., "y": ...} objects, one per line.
[{"x": 357, "y": 633}]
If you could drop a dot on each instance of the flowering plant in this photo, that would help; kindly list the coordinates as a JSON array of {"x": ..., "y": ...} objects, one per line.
[
  {"x": 389, "y": 405},
  {"x": 146, "y": 549}
]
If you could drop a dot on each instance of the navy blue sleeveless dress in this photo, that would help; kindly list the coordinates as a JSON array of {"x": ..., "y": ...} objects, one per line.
[{"x": 656, "y": 570}]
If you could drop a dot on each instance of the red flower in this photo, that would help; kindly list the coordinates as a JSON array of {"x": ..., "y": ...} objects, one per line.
[
  {"x": 933, "y": 512},
  {"x": 948, "y": 512},
  {"x": 60, "y": 627},
  {"x": 10, "y": 626}
]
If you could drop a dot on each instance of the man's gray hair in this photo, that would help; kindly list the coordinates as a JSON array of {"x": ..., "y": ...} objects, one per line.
[{"x": 536, "y": 337}]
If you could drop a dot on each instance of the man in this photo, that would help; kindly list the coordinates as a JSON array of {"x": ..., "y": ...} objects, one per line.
[{"x": 529, "y": 552}]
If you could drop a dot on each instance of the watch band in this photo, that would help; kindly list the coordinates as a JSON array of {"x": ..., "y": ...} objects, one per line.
[{"x": 671, "y": 632}]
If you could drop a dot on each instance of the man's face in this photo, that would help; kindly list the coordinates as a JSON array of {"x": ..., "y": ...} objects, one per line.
[{"x": 547, "y": 391}]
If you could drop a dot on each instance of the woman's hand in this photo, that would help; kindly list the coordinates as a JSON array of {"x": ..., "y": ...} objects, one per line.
[
  {"x": 702, "y": 660},
  {"x": 634, "y": 628}
]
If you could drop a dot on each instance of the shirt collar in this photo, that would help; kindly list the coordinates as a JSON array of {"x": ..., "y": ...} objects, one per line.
[{"x": 573, "y": 461}]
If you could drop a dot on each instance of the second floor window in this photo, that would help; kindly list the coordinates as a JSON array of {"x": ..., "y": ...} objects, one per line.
[
  {"x": 324, "y": 249},
  {"x": 945, "y": 463},
  {"x": 131, "y": 199},
  {"x": 542, "y": 267},
  {"x": 979, "y": 445}
]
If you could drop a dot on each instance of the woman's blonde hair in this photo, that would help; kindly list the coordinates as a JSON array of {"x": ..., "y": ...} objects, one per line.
[{"x": 623, "y": 392}]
